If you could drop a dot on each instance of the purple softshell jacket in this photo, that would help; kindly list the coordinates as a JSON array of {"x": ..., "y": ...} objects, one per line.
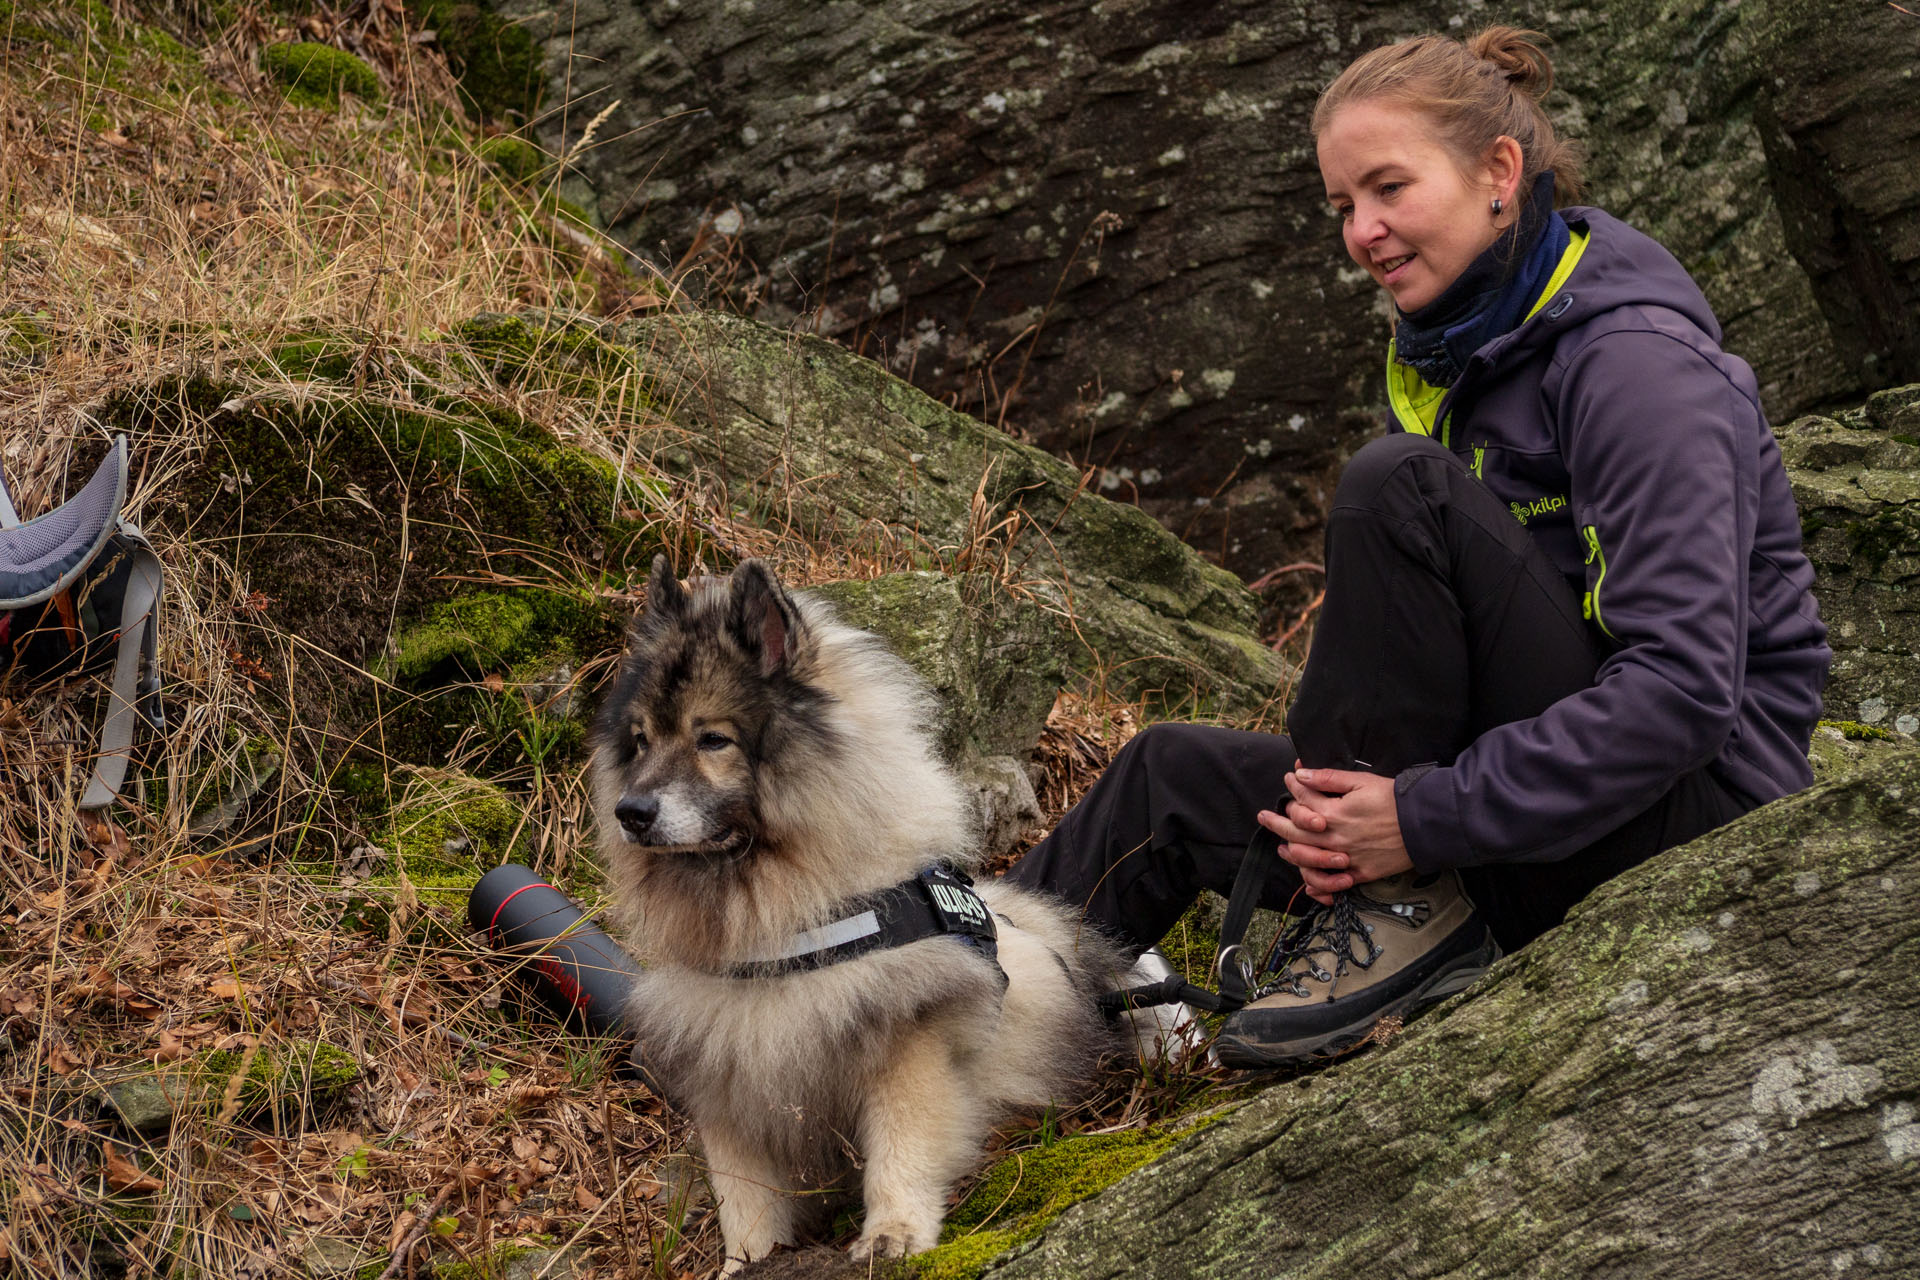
[{"x": 1634, "y": 450}]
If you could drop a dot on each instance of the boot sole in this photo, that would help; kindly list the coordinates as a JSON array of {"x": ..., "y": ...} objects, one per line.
[{"x": 1450, "y": 980}]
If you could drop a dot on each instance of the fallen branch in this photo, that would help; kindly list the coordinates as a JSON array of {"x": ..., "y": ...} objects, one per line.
[{"x": 419, "y": 1230}]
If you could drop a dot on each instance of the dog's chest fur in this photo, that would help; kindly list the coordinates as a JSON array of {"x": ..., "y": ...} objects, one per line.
[{"x": 784, "y": 1061}]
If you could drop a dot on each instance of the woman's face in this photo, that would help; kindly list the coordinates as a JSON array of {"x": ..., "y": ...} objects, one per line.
[{"x": 1410, "y": 215}]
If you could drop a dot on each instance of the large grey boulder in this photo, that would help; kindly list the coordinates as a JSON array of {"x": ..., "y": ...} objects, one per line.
[
  {"x": 1856, "y": 479},
  {"x": 994, "y": 660},
  {"x": 1837, "y": 112},
  {"x": 803, "y": 431},
  {"x": 1103, "y": 225},
  {"x": 1711, "y": 1071}
]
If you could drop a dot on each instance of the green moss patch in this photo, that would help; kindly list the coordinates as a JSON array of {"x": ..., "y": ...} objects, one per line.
[
  {"x": 501, "y": 73},
  {"x": 497, "y": 668},
  {"x": 316, "y": 75},
  {"x": 300, "y": 1078},
  {"x": 514, "y": 159},
  {"x": 1854, "y": 731},
  {"x": 447, "y": 830},
  {"x": 1028, "y": 1189},
  {"x": 482, "y": 632},
  {"x": 557, "y": 354}
]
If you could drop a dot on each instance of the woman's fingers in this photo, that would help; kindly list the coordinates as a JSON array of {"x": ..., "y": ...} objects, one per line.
[
  {"x": 1304, "y": 818},
  {"x": 1329, "y": 782},
  {"x": 1323, "y": 882},
  {"x": 1308, "y": 843},
  {"x": 1305, "y": 796}
]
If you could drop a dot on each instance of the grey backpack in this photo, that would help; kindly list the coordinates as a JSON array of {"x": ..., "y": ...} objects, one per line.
[{"x": 79, "y": 589}]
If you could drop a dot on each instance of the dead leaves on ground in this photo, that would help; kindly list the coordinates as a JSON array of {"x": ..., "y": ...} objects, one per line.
[{"x": 123, "y": 1175}]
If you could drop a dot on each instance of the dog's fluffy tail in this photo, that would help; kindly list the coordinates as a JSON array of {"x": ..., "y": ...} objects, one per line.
[{"x": 1053, "y": 1034}]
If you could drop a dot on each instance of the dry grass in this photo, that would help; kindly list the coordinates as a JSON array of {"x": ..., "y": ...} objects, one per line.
[
  {"x": 162, "y": 215},
  {"x": 166, "y": 212}
]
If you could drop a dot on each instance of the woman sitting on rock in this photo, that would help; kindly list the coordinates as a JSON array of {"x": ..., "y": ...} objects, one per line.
[{"x": 1568, "y": 622}]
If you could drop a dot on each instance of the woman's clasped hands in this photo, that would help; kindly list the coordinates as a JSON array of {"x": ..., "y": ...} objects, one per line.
[{"x": 1341, "y": 829}]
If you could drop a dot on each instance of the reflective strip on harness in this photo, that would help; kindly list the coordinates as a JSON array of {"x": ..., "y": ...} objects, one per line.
[
  {"x": 837, "y": 934},
  {"x": 937, "y": 903}
]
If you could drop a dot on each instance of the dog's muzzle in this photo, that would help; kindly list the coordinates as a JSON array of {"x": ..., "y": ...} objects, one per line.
[
  {"x": 639, "y": 819},
  {"x": 636, "y": 815}
]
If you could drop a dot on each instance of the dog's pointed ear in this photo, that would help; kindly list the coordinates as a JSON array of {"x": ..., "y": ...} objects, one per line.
[
  {"x": 763, "y": 620},
  {"x": 665, "y": 595}
]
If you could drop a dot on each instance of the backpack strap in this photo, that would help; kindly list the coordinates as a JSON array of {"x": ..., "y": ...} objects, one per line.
[
  {"x": 43, "y": 557},
  {"x": 9, "y": 518},
  {"x": 131, "y": 692}
]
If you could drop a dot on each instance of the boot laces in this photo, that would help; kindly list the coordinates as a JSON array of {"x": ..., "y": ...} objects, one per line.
[{"x": 1338, "y": 930}]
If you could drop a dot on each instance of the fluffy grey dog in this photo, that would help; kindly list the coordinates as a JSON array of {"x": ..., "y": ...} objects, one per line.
[{"x": 760, "y": 773}]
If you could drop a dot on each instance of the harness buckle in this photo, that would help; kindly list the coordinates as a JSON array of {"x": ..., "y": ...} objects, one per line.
[{"x": 1242, "y": 966}]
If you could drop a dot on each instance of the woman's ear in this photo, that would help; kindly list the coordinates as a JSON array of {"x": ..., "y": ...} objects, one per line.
[{"x": 1504, "y": 166}]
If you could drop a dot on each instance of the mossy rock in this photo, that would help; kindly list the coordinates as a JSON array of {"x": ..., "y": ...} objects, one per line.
[
  {"x": 1023, "y": 1192},
  {"x": 24, "y": 341},
  {"x": 1843, "y": 747},
  {"x": 513, "y": 158},
  {"x": 561, "y": 353},
  {"x": 445, "y": 829},
  {"x": 504, "y": 663},
  {"x": 219, "y": 787},
  {"x": 994, "y": 660},
  {"x": 501, "y": 72},
  {"x": 817, "y": 437},
  {"x": 1856, "y": 479},
  {"x": 352, "y": 506},
  {"x": 316, "y": 75},
  {"x": 300, "y": 1079},
  {"x": 481, "y": 632}
]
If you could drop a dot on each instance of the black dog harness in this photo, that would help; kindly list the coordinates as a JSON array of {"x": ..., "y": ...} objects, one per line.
[{"x": 937, "y": 903}]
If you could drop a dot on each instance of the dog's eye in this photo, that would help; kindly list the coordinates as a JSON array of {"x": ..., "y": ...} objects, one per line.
[
  {"x": 711, "y": 741},
  {"x": 639, "y": 738}
]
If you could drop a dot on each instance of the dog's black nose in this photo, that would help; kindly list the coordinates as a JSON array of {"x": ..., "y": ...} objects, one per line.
[{"x": 636, "y": 815}]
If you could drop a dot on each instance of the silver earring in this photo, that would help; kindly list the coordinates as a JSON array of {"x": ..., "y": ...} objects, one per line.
[{"x": 1498, "y": 205}]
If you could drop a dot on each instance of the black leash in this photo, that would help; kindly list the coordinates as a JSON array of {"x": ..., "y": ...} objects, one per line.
[{"x": 1231, "y": 965}]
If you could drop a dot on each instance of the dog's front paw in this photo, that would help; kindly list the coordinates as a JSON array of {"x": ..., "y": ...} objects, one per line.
[{"x": 894, "y": 1239}]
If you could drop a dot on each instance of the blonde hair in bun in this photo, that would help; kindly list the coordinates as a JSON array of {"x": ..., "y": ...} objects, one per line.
[{"x": 1475, "y": 92}]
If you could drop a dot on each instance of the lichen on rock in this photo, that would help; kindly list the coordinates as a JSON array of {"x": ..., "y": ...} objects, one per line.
[
  {"x": 804, "y": 428},
  {"x": 1605, "y": 1099},
  {"x": 1856, "y": 480}
]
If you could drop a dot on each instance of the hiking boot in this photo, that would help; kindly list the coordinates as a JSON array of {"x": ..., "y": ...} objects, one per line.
[{"x": 1385, "y": 949}]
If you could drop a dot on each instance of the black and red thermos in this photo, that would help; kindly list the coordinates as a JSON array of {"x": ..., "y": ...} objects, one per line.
[{"x": 574, "y": 967}]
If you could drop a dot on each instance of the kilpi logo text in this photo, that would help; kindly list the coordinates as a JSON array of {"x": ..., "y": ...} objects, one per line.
[{"x": 1525, "y": 511}]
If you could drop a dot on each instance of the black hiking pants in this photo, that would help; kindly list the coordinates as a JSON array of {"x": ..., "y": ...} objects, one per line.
[{"x": 1442, "y": 619}]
